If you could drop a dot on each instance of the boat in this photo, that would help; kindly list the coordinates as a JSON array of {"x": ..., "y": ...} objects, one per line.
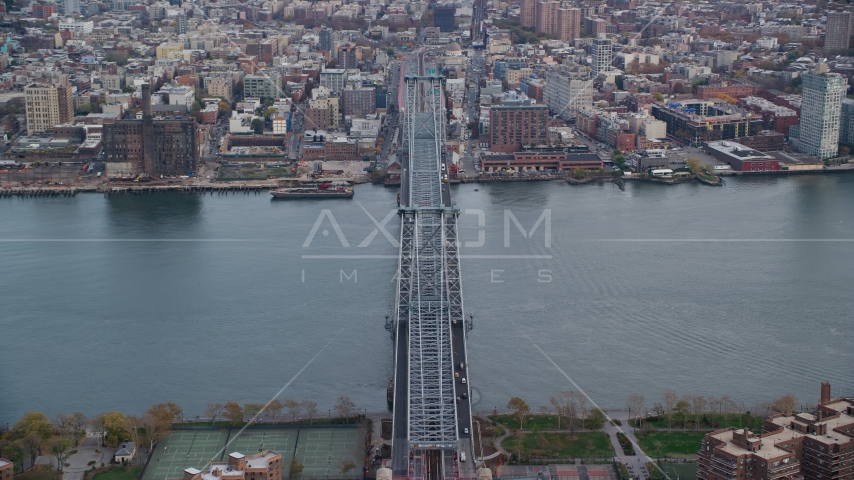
[{"x": 319, "y": 190}]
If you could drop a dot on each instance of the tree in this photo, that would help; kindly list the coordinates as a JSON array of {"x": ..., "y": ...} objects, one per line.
[
  {"x": 154, "y": 428},
  {"x": 681, "y": 410},
  {"x": 520, "y": 409},
  {"x": 567, "y": 399},
  {"x": 635, "y": 404},
  {"x": 295, "y": 470},
  {"x": 694, "y": 164},
  {"x": 582, "y": 408},
  {"x": 670, "y": 399},
  {"x": 268, "y": 112},
  {"x": 252, "y": 409},
  {"x": 657, "y": 96},
  {"x": 60, "y": 449},
  {"x": 558, "y": 409},
  {"x": 114, "y": 428},
  {"x": 224, "y": 108},
  {"x": 33, "y": 422},
  {"x": 274, "y": 409},
  {"x": 78, "y": 421},
  {"x": 168, "y": 412},
  {"x": 293, "y": 407},
  {"x": 310, "y": 408},
  {"x": 14, "y": 452},
  {"x": 597, "y": 419},
  {"x": 132, "y": 426},
  {"x": 258, "y": 126},
  {"x": 61, "y": 423},
  {"x": 213, "y": 410},
  {"x": 785, "y": 404},
  {"x": 31, "y": 444},
  {"x": 344, "y": 407},
  {"x": 698, "y": 402},
  {"x": 233, "y": 413},
  {"x": 726, "y": 405}
]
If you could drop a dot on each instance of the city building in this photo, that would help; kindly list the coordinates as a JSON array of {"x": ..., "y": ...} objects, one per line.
[
  {"x": 263, "y": 84},
  {"x": 48, "y": 105},
  {"x": 821, "y": 108},
  {"x": 328, "y": 40},
  {"x": 837, "y": 34},
  {"x": 528, "y": 13},
  {"x": 72, "y": 7},
  {"x": 846, "y": 129},
  {"x": 543, "y": 160},
  {"x": 815, "y": 445},
  {"x": 602, "y": 54},
  {"x": 125, "y": 452},
  {"x": 444, "y": 15},
  {"x": 220, "y": 87},
  {"x": 265, "y": 465},
  {"x": 511, "y": 127},
  {"x": 546, "y": 21},
  {"x": 347, "y": 56},
  {"x": 181, "y": 27},
  {"x": 359, "y": 102},
  {"x": 335, "y": 79},
  {"x": 741, "y": 158},
  {"x": 329, "y": 147},
  {"x": 156, "y": 147},
  {"x": 568, "y": 24},
  {"x": 44, "y": 11},
  {"x": 699, "y": 121},
  {"x": 567, "y": 89},
  {"x": 7, "y": 469}
]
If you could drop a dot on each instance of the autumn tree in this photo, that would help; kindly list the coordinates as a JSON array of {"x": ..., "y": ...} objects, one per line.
[
  {"x": 155, "y": 427},
  {"x": 14, "y": 452},
  {"x": 167, "y": 412},
  {"x": 785, "y": 404},
  {"x": 519, "y": 407},
  {"x": 274, "y": 409},
  {"x": 252, "y": 409},
  {"x": 310, "y": 408},
  {"x": 293, "y": 407},
  {"x": 295, "y": 470},
  {"x": 213, "y": 410},
  {"x": 232, "y": 412},
  {"x": 33, "y": 422},
  {"x": 133, "y": 425},
  {"x": 670, "y": 400},
  {"x": 344, "y": 407},
  {"x": 113, "y": 424}
]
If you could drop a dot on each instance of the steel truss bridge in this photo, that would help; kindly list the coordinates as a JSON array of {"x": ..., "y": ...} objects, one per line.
[{"x": 432, "y": 426}]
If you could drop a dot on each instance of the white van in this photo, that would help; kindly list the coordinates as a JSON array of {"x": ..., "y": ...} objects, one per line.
[{"x": 462, "y": 456}]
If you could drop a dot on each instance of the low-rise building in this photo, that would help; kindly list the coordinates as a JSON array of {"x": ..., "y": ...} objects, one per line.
[
  {"x": 266, "y": 465},
  {"x": 741, "y": 158}
]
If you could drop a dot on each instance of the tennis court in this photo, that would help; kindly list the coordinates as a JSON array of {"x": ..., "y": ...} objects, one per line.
[
  {"x": 328, "y": 452},
  {"x": 279, "y": 440},
  {"x": 184, "y": 449}
]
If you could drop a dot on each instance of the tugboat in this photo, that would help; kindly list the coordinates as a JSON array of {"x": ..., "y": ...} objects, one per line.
[{"x": 317, "y": 190}]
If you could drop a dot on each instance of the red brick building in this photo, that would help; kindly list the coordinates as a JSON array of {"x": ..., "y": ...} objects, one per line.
[
  {"x": 43, "y": 11},
  {"x": 510, "y": 127}
]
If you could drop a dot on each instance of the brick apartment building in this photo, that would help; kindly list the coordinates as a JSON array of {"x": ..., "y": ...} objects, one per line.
[
  {"x": 266, "y": 465},
  {"x": 809, "y": 446},
  {"x": 7, "y": 469},
  {"x": 359, "y": 102},
  {"x": 510, "y": 127},
  {"x": 328, "y": 147}
]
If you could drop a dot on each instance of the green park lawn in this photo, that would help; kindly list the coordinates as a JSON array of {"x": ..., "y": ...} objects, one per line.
[
  {"x": 659, "y": 444},
  {"x": 119, "y": 473},
  {"x": 546, "y": 422},
  {"x": 560, "y": 445},
  {"x": 39, "y": 472},
  {"x": 707, "y": 421}
]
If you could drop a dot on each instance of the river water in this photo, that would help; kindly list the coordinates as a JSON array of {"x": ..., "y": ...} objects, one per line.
[{"x": 118, "y": 303}]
